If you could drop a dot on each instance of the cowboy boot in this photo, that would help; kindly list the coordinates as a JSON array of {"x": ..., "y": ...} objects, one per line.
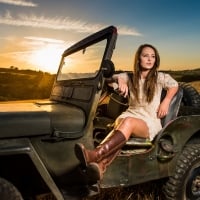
[
  {"x": 95, "y": 170},
  {"x": 113, "y": 142}
]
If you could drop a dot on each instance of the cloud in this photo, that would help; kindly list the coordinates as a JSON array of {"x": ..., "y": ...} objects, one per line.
[
  {"x": 33, "y": 52},
  {"x": 58, "y": 23},
  {"x": 46, "y": 40},
  {"x": 19, "y": 3},
  {"x": 124, "y": 30},
  {"x": 26, "y": 45},
  {"x": 33, "y": 43}
]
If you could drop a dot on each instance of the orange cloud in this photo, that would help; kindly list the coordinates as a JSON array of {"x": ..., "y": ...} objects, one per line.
[
  {"x": 19, "y": 3},
  {"x": 65, "y": 23}
]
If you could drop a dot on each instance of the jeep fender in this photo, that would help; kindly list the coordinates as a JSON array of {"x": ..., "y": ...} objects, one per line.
[
  {"x": 23, "y": 146},
  {"x": 179, "y": 132}
]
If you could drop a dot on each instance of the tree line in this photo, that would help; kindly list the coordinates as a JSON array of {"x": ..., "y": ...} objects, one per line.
[{"x": 18, "y": 84}]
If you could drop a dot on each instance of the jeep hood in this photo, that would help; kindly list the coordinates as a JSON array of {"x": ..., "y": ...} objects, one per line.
[{"x": 31, "y": 119}]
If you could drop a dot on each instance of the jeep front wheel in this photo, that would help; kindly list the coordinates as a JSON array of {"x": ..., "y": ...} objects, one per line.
[
  {"x": 8, "y": 191},
  {"x": 185, "y": 183}
]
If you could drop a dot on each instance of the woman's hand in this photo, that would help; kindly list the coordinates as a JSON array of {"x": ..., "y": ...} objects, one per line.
[
  {"x": 164, "y": 105},
  {"x": 163, "y": 108},
  {"x": 122, "y": 87}
]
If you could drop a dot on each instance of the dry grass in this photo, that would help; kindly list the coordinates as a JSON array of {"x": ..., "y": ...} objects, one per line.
[
  {"x": 147, "y": 191},
  {"x": 196, "y": 85}
]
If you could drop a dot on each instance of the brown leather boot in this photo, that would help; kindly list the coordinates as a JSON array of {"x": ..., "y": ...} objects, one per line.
[
  {"x": 113, "y": 142},
  {"x": 95, "y": 170}
]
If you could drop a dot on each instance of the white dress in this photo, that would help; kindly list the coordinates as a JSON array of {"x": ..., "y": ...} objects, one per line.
[{"x": 144, "y": 110}]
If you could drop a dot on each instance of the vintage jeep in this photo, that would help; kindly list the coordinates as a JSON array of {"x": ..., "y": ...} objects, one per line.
[{"x": 37, "y": 138}]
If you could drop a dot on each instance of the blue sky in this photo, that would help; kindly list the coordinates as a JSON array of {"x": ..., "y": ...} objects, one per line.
[{"x": 34, "y": 33}]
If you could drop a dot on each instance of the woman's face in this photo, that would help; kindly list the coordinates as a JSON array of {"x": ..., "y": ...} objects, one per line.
[{"x": 147, "y": 58}]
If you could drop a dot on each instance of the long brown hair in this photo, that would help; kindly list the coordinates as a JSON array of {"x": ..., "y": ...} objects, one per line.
[{"x": 151, "y": 79}]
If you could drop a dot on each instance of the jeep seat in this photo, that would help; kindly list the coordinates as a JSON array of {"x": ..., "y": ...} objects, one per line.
[
  {"x": 172, "y": 114},
  {"x": 173, "y": 108},
  {"x": 117, "y": 104}
]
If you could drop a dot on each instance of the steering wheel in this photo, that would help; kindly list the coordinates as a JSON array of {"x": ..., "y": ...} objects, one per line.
[{"x": 115, "y": 95}]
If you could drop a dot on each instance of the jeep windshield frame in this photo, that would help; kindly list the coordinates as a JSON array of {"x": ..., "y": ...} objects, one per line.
[
  {"x": 83, "y": 63},
  {"x": 83, "y": 90},
  {"x": 84, "y": 59}
]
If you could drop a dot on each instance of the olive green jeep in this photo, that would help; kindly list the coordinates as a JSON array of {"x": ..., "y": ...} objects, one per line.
[{"x": 37, "y": 138}]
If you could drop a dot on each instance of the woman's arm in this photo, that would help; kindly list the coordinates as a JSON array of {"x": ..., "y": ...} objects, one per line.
[
  {"x": 120, "y": 82},
  {"x": 164, "y": 105}
]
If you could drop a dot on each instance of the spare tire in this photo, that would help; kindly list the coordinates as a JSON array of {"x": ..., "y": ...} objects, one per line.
[
  {"x": 191, "y": 96},
  {"x": 190, "y": 104}
]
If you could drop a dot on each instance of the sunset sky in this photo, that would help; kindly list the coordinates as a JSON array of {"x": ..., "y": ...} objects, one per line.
[{"x": 34, "y": 33}]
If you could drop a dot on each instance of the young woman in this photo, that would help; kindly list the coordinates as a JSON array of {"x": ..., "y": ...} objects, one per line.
[{"x": 142, "y": 118}]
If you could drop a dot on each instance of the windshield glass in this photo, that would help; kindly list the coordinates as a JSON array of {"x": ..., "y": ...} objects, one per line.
[{"x": 84, "y": 63}]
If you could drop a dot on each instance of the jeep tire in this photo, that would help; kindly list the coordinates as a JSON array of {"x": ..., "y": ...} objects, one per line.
[
  {"x": 191, "y": 96},
  {"x": 185, "y": 182},
  {"x": 8, "y": 191},
  {"x": 190, "y": 104}
]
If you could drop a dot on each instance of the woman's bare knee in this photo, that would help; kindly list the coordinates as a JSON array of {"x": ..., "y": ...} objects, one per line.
[{"x": 133, "y": 126}]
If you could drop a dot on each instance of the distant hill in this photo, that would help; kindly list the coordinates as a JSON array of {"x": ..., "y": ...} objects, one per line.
[
  {"x": 185, "y": 75},
  {"x": 18, "y": 84},
  {"x": 24, "y": 84}
]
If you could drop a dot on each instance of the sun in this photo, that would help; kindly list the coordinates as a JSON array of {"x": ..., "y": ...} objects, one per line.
[{"x": 47, "y": 58}]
